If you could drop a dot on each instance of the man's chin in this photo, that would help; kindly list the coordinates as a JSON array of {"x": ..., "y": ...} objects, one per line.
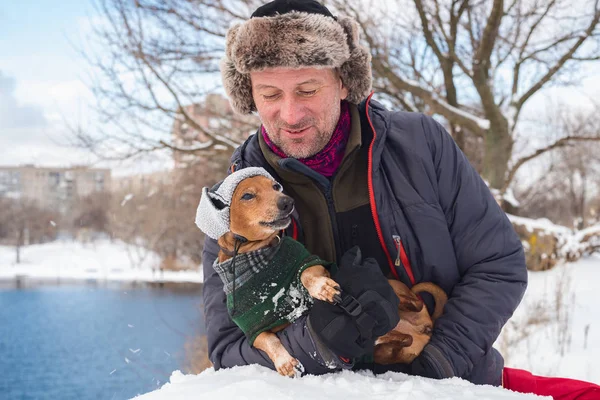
[{"x": 299, "y": 152}]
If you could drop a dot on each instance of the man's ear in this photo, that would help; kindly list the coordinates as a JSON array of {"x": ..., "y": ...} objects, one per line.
[
  {"x": 343, "y": 88},
  {"x": 344, "y": 91}
]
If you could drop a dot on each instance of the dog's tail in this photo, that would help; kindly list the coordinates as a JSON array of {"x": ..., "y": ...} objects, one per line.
[{"x": 438, "y": 294}]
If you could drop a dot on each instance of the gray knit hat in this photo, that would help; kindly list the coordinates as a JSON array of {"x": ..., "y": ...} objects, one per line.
[
  {"x": 294, "y": 34},
  {"x": 212, "y": 216}
]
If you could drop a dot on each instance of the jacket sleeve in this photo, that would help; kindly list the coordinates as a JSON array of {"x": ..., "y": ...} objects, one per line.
[
  {"x": 227, "y": 344},
  {"x": 489, "y": 255}
]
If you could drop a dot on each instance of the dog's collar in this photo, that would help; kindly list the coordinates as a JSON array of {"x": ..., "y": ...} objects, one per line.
[{"x": 229, "y": 253}]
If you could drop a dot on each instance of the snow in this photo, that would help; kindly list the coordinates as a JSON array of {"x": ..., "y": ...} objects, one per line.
[
  {"x": 510, "y": 198},
  {"x": 569, "y": 242},
  {"x": 127, "y": 197},
  {"x": 255, "y": 382},
  {"x": 481, "y": 122},
  {"x": 99, "y": 260},
  {"x": 567, "y": 345},
  {"x": 541, "y": 224}
]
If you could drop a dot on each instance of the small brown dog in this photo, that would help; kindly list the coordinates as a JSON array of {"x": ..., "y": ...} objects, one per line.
[
  {"x": 407, "y": 340},
  {"x": 258, "y": 211}
]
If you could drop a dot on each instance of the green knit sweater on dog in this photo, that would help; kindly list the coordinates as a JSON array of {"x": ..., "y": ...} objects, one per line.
[{"x": 268, "y": 289}]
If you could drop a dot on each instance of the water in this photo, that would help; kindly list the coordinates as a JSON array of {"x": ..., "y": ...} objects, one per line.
[{"x": 84, "y": 342}]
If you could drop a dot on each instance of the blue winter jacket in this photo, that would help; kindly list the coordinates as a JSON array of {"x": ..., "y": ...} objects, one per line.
[{"x": 432, "y": 209}]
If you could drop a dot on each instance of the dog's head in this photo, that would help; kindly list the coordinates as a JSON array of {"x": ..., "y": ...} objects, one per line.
[
  {"x": 248, "y": 203},
  {"x": 259, "y": 208}
]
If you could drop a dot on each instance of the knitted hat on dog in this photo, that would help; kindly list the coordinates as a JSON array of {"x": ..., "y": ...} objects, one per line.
[
  {"x": 294, "y": 34},
  {"x": 212, "y": 215}
]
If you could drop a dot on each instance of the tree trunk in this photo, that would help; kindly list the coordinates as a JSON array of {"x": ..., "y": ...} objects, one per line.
[
  {"x": 498, "y": 148},
  {"x": 18, "y": 245}
]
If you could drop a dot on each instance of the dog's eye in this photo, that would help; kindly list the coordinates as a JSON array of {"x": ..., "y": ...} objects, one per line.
[
  {"x": 277, "y": 187},
  {"x": 247, "y": 196}
]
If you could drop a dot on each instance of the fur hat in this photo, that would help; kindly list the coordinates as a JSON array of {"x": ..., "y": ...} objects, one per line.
[
  {"x": 293, "y": 34},
  {"x": 212, "y": 215}
]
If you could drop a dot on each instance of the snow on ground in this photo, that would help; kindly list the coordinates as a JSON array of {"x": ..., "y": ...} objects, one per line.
[
  {"x": 546, "y": 336},
  {"x": 556, "y": 329},
  {"x": 98, "y": 260},
  {"x": 554, "y": 332},
  {"x": 255, "y": 382}
]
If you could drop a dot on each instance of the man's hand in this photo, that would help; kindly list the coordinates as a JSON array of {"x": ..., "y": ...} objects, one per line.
[{"x": 367, "y": 310}]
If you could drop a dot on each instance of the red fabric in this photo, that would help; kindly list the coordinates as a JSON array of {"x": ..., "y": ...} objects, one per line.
[{"x": 522, "y": 381}]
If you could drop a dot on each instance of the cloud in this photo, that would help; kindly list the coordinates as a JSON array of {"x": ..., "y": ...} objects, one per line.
[{"x": 14, "y": 115}]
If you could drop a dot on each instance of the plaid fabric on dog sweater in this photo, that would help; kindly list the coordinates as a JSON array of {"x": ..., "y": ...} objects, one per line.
[{"x": 268, "y": 289}]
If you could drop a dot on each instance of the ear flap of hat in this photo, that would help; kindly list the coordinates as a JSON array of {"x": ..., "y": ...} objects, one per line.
[
  {"x": 356, "y": 72},
  {"x": 237, "y": 85},
  {"x": 212, "y": 215}
]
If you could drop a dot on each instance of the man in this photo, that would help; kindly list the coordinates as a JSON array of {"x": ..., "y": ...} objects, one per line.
[{"x": 392, "y": 183}]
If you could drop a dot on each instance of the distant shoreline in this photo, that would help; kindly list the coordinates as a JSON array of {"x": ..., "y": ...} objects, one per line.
[
  {"x": 101, "y": 263},
  {"x": 31, "y": 282}
]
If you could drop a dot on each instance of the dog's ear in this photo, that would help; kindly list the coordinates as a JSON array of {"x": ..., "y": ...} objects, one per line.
[
  {"x": 390, "y": 350},
  {"x": 410, "y": 302},
  {"x": 215, "y": 199},
  {"x": 212, "y": 215}
]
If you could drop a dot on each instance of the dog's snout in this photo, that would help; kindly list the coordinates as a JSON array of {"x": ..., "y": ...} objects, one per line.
[{"x": 285, "y": 203}]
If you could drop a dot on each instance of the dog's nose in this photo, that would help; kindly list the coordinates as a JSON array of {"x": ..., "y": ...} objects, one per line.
[{"x": 285, "y": 203}]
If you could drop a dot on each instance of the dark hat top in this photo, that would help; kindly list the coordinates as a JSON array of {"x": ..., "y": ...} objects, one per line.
[{"x": 284, "y": 6}]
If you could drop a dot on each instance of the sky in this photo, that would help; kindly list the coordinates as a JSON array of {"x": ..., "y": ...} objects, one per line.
[{"x": 42, "y": 80}]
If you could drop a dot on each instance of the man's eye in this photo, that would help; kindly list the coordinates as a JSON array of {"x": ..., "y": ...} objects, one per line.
[
  {"x": 247, "y": 196},
  {"x": 270, "y": 96},
  {"x": 307, "y": 93}
]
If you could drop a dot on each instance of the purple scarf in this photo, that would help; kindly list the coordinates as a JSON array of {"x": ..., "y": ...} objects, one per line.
[{"x": 327, "y": 161}]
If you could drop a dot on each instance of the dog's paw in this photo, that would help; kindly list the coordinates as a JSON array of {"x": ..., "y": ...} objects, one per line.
[
  {"x": 325, "y": 289},
  {"x": 286, "y": 365}
]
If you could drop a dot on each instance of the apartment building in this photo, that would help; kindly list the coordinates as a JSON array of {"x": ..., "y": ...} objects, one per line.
[
  {"x": 214, "y": 116},
  {"x": 52, "y": 188}
]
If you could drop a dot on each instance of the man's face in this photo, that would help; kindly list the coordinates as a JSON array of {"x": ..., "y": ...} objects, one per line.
[{"x": 299, "y": 108}]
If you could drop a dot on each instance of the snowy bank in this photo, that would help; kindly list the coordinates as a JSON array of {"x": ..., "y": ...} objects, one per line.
[
  {"x": 254, "y": 382},
  {"x": 555, "y": 331},
  {"x": 101, "y": 260},
  {"x": 567, "y": 344}
]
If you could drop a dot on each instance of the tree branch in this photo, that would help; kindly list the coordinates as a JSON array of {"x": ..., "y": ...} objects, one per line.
[
  {"x": 565, "y": 141},
  {"x": 560, "y": 63},
  {"x": 490, "y": 33},
  {"x": 453, "y": 114}
]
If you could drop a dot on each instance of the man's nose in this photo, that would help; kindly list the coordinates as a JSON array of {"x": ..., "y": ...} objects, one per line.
[
  {"x": 291, "y": 111},
  {"x": 285, "y": 203}
]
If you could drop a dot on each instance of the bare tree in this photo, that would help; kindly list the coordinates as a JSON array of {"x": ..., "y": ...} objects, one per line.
[
  {"x": 474, "y": 63},
  {"x": 156, "y": 59},
  {"x": 159, "y": 216},
  {"x": 90, "y": 215},
  {"x": 570, "y": 181},
  {"x": 478, "y": 63},
  {"x": 22, "y": 223}
]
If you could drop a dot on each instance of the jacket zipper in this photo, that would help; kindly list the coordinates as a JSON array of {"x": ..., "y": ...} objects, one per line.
[
  {"x": 398, "y": 242},
  {"x": 372, "y": 192},
  {"x": 333, "y": 219},
  {"x": 402, "y": 259}
]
